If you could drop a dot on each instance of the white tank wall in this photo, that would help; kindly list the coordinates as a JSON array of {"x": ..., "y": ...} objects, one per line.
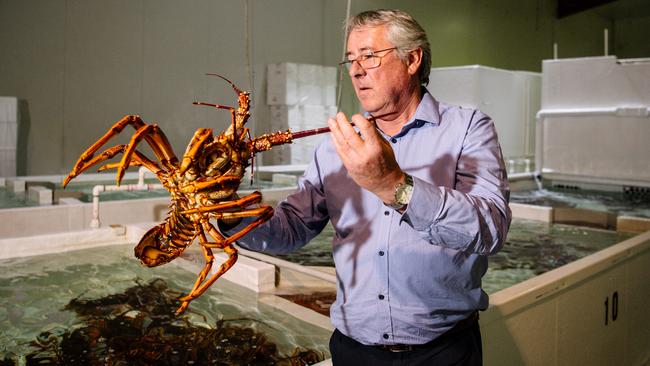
[
  {"x": 561, "y": 317},
  {"x": 597, "y": 147},
  {"x": 29, "y": 221},
  {"x": 591, "y": 82},
  {"x": 595, "y": 121}
]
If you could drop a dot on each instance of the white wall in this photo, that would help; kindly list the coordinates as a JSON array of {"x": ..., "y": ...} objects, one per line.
[{"x": 79, "y": 66}]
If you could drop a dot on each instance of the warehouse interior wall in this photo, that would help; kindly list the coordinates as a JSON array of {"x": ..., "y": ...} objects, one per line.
[{"x": 78, "y": 66}]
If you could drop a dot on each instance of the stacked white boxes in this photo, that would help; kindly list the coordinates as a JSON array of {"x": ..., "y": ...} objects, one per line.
[
  {"x": 8, "y": 135},
  {"x": 595, "y": 122},
  {"x": 510, "y": 98},
  {"x": 301, "y": 97}
]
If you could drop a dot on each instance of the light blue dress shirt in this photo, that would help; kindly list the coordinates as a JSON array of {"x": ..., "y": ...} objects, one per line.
[{"x": 405, "y": 279}]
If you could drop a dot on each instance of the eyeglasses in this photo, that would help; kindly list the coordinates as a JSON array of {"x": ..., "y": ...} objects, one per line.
[{"x": 368, "y": 60}]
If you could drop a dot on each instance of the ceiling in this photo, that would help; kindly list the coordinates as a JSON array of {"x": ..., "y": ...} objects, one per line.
[{"x": 618, "y": 9}]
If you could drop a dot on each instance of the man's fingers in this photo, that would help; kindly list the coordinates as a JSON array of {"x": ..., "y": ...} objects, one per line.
[
  {"x": 341, "y": 145},
  {"x": 348, "y": 132},
  {"x": 368, "y": 129},
  {"x": 363, "y": 123}
]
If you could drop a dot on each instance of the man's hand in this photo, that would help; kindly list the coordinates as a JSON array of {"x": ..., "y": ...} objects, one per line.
[{"x": 367, "y": 156}]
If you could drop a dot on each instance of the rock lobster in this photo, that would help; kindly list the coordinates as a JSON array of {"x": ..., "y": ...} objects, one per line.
[{"x": 202, "y": 185}]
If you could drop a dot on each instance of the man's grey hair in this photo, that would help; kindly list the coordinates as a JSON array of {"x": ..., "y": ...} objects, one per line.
[{"x": 403, "y": 32}]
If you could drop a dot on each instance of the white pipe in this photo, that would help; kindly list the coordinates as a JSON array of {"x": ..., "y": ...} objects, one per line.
[
  {"x": 94, "y": 223},
  {"x": 622, "y": 111},
  {"x": 606, "y": 38},
  {"x": 141, "y": 172},
  {"x": 554, "y": 50},
  {"x": 539, "y": 140}
]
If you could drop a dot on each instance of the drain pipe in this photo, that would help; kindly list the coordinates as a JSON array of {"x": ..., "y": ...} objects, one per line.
[{"x": 109, "y": 188}]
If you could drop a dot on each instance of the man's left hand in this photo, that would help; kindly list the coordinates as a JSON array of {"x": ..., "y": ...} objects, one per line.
[{"x": 366, "y": 155}]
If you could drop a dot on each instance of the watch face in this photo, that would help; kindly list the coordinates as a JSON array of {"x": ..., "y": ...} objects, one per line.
[{"x": 403, "y": 193}]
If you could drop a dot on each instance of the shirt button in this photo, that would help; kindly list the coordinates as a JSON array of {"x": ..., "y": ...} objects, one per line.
[
  {"x": 393, "y": 140},
  {"x": 385, "y": 336},
  {"x": 381, "y": 297},
  {"x": 381, "y": 252},
  {"x": 386, "y": 213}
]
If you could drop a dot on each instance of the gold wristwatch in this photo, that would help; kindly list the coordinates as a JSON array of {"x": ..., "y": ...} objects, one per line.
[{"x": 403, "y": 193}]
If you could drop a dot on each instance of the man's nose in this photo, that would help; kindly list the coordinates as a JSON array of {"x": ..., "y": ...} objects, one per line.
[{"x": 356, "y": 69}]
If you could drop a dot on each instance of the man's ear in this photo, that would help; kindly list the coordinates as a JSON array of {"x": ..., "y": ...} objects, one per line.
[{"x": 414, "y": 61}]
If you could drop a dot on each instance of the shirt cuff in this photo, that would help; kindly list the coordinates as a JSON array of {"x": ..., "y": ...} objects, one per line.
[{"x": 425, "y": 205}]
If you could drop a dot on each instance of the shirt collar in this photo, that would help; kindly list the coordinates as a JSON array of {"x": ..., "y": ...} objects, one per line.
[
  {"x": 428, "y": 109},
  {"x": 427, "y": 112}
]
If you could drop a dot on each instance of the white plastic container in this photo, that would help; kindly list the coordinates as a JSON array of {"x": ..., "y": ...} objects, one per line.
[
  {"x": 510, "y": 98},
  {"x": 595, "y": 121},
  {"x": 8, "y": 135},
  {"x": 292, "y": 83}
]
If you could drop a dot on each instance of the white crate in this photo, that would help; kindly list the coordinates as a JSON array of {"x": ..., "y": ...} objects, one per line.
[
  {"x": 8, "y": 135},
  {"x": 40, "y": 195},
  {"x": 593, "y": 82},
  {"x": 291, "y": 83},
  {"x": 8, "y": 122},
  {"x": 595, "y": 120},
  {"x": 285, "y": 116},
  {"x": 7, "y": 162},
  {"x": 282, "y": 84},
  {"x": 15, "y": 185}
]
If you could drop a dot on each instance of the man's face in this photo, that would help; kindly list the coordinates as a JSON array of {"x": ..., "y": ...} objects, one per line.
[{"x": 383, "y": 89}]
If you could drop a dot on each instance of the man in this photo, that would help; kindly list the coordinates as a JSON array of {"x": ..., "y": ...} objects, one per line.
[{"x": 418, "y": 197}]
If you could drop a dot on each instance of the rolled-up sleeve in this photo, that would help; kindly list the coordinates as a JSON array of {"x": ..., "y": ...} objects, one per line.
[
  {"x": 473, "y": 215},
  {"x": 296, "y": 220}
]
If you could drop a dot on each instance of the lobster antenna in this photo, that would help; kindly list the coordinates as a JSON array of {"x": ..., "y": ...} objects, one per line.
[
  {"x": 228, "y": 81},
  {"x": 252, "y": 160},
  {"x": 238, "y": 91}
]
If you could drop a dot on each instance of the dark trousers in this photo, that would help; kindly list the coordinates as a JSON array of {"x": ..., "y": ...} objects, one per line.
[{"x": 462, "y": 347}]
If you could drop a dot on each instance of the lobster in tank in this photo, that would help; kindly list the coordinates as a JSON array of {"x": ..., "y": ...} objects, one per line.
[{"x": 202, "y": 185}]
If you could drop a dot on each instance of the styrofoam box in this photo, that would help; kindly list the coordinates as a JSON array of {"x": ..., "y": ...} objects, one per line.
[
  {"x": 40, "y": 195},
  {"x": 278, "y": 155},
  {"x": 291, "y": 83},
  {"x": 8, "y": 135},
  {"x": 599, "y": 147},
  {"x": 510, "y": 98},
  {"x": 8, "y": 122},
  {"x": 8, "y": 109},
  {"x": 301, "y": 154},
  {"x": 593, "y": 82},
  {"x": 300, "y": 117},
  {"x": 7, "y": 162},
  {"x": 282, "y": 83}
]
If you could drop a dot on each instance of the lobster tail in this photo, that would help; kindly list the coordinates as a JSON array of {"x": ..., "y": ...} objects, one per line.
[{"x": 165, "y": 242}]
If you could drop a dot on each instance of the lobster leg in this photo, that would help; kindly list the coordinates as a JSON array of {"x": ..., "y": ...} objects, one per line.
[
  {"x": 198, "y": 140},
  {"x": 130, "y": 148},
  {"x": 158, "y": 142},
  {"x": 221, "y": 243},
  {"x": 223, "y": 181},
  {"x": 255, "y": 197},
  {"x": 138, "y": 160},
  {"x": 264, "y": 213},
  {"x": 209, "y": 259}
]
